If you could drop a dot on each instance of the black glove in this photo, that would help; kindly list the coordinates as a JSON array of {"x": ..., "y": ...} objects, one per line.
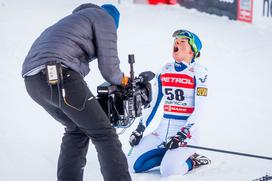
[
  {"x": 137, "y": 135},
  {"x": 179, "y": 139}
]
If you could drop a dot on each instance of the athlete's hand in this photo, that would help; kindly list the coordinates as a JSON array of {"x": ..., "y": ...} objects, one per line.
[
  {"x": 137, "y": 135},
  {"x": 179, "y": 139}
]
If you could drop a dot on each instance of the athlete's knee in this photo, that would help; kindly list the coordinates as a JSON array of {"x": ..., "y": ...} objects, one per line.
[{"x": 148, "y": 160}]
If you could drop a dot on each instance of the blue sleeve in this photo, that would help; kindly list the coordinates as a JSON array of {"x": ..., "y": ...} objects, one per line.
[{"x": 157, "y": 101}]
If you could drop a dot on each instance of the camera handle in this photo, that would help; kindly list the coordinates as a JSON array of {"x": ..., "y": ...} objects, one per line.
[{"x": 131, "y": 61}]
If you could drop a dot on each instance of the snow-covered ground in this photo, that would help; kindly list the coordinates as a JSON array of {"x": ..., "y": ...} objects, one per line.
[{"x": 238, "y": 116}]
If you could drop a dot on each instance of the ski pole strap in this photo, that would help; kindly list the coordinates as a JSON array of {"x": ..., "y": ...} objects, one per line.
[{"x": 230, "y": 152}]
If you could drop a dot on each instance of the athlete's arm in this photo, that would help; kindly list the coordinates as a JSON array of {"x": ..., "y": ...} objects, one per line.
[
  {"x": 149, "y": 113},
  {"x": 201, "y": 92}
]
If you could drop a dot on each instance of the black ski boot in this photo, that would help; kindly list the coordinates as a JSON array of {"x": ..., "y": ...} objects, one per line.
[{"x": 199, "y": 160}]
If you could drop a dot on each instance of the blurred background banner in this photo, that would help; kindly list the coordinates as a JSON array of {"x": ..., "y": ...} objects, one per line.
[
  {"x": 245, "y": 10},
  {"x": 155, "y": 2},
  {"x": 219, "y": 7},
  {"x": 259, "y": 12}
]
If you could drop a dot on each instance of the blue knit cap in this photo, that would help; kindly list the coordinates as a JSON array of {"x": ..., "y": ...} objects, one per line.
[{"x": 113, "y": 11}]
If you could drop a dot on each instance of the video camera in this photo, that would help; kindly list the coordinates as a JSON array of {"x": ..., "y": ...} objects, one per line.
[{"x": 124, "y": 104}]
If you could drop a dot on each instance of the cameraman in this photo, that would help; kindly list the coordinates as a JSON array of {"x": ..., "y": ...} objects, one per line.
[{"x": 68, "y": 46}]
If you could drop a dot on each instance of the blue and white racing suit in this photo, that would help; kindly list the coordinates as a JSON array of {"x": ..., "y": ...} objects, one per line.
[{"x": 182, "y": 88}]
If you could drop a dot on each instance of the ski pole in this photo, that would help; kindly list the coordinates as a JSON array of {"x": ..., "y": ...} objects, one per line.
[{"x": 229, "y": 152}]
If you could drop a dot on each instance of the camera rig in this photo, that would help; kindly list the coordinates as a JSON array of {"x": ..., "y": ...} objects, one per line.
[{"x": 124, "y": 104}]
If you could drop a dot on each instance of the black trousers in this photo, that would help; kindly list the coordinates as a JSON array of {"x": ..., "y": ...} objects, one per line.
[{"x": 83, "y": 119}]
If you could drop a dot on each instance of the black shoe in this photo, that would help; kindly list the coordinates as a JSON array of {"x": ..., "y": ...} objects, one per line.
[{"x": 199, "y": 160}]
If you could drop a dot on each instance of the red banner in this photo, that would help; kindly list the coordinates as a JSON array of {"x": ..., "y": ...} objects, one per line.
[
  {"x": 162, "y": 1},
  {"x": 245, "y": 10}
]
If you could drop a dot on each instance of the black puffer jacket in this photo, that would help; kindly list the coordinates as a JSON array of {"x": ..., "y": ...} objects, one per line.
[{"x": 88, "y": 33}]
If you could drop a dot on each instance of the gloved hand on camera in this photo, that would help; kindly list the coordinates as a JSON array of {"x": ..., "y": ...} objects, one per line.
[
  {"x": 124, "y": 81},
  {"x": 137, "y": 135},
  {"x": 179, "y": 139}
]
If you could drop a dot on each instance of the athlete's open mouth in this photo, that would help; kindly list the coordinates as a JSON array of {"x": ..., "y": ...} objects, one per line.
[{"x": 176, "y": 49}]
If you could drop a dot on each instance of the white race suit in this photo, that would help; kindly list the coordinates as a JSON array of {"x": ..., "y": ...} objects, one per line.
[{"x": 182, "y": 88}]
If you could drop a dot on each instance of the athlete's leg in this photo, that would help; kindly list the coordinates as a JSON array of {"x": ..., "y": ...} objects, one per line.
[
  {"x": 176, "y": 161},
  {"x": 146, "y": 155}
]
